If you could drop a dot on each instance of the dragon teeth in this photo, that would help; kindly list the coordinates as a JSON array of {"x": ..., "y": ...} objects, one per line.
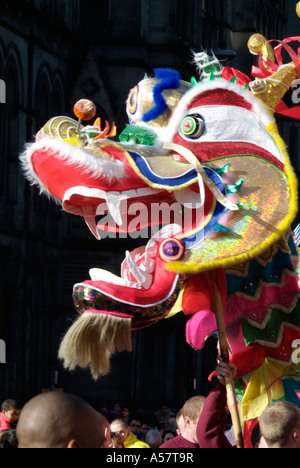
[{"x": 114, "y": 202}]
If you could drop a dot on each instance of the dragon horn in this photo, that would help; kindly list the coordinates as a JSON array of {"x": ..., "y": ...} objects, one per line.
[
  {"x": 271, "y": 89},
  {"x": 258, "y": 44}
]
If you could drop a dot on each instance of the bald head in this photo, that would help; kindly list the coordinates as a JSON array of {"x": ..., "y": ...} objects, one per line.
[
  {"x": 106, "y": 428},
  {"x": 59, "y": 420},
  {"x": 120, "y": 427}
]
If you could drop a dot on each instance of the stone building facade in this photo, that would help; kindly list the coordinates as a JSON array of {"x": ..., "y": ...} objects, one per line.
[{"x": 51, "y": 54}]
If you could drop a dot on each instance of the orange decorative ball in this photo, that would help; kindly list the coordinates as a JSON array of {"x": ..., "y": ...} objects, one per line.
[{"x": 85, "y": 109}]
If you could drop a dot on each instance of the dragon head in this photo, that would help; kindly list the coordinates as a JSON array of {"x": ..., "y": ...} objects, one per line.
[{"x": 203, "y": 165}]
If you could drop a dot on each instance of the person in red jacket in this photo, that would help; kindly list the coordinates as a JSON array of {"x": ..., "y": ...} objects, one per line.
[
  {"x": 212, "y": 421},
  {"x": 9, "y": 414},
  {"x": 205, "y": 418}
]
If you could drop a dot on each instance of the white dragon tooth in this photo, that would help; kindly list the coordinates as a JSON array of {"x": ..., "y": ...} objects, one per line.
[
  {"x": 91, "y": 223},
  {"x": 88, "y": 214},
  {"x": 148, "y": 281},
  {"x": 150, "y": 265},
  {"x": 114, "y": 202},
  {"x": 142, "y": 277},
  {"x": 135, "y": 270}
]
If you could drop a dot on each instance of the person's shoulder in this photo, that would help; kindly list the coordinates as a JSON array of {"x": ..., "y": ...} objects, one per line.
[
  {"x": 143, "y": 445},
  {"x": 4, "y": 423},
  {"x": 176, "y": 442},
  {"x": 133, "y": 442},
  {"x": 140, "y": 444}
]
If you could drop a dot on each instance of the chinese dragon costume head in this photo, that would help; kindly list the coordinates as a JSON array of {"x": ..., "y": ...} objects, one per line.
[{"x": 204, "y": 165}]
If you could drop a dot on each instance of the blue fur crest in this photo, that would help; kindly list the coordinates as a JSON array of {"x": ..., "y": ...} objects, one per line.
[{"x": 170, "y": 79}]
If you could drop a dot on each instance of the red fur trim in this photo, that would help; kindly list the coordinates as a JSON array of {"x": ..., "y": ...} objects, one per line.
[{"x": 220, "y": 97}]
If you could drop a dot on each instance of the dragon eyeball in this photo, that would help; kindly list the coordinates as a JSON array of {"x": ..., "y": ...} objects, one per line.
[
  {"x": 132, "y": 102},
  {"x": 193, "y": 126},
  {"x": 172, "y": 250}
]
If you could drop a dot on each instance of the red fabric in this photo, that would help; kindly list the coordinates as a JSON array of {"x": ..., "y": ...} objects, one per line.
[
  {"x": 208, "y": 151},
  {"x": 248, "y": 428},
  {"x": 4, "y": 422},
  {"x": 267, "y": 67},
  {"x": 255, "y": 354},
  {"x": 179, "y": 442},
  {"x": 162, "y": 287},
  {"x": 198, "y": 293},
  {"x": 228, "y": 73},
  {"x": 59, "y": 174},
  {"x": 293, "y": 112},
  {"x": 211, "y": 425}
]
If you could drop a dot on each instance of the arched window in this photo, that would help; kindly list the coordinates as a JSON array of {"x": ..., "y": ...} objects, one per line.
[
  {"x": 57, "y": 101},
  {"x": 42, "y": 106},
  {"x": 2, "y": 120},
  {"x": 42, "y": 97},
  {"x": 10, "y": 130}
]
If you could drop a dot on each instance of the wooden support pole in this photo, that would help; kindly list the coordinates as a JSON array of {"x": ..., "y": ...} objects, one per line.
[{"x": 232, "y": 402}]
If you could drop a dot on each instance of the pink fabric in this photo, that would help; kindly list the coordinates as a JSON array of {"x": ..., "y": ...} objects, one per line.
[
  {"x": 199, "y": 327},
  {"x": 203, "y": 324},
  {"x": 256, "y": 307},
  {"x": 235, "y": 337}
]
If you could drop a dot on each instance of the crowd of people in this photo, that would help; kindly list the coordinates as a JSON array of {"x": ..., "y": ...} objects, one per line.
[{"x": 61, "y": 420}]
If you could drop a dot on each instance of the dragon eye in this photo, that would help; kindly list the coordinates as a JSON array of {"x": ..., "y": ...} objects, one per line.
[
  {"x": 133, "y": 100},
  {"x": 193, "y": 126},
  {"x": 172, "y": 250}
]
